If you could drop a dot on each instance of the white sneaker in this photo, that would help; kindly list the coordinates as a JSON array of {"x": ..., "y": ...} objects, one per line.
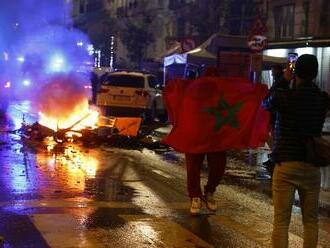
[
  {"x": 196, "y": 206},
  {"x": 211, "y": 204}
]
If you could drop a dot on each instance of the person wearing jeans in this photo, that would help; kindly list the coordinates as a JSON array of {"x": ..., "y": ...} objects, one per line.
[
  {"x": 216, "y": 168},
  {"x": 289, "y": 176},
  {"x": 300, "y": 112}
]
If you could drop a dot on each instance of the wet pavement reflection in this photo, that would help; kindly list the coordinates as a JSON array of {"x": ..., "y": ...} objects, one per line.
[{"x": 69, "y": 195}]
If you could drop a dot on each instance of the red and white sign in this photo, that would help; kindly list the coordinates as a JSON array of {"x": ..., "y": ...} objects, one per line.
[{"x": 257, "y": 43}]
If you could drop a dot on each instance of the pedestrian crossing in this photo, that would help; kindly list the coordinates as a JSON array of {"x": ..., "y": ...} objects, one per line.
[
  {"x": 67, "y": 224},
  {"x": 63, "y": 231}
]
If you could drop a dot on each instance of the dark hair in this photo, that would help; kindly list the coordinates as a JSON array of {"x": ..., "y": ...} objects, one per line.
[{"x": 307, "y": 67}]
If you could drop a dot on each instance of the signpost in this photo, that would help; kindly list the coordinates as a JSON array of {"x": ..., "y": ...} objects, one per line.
[{"x": 257, "y": 41}]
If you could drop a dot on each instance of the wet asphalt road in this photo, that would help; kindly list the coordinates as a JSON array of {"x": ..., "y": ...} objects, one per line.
[{"x": 74, "y": 196}]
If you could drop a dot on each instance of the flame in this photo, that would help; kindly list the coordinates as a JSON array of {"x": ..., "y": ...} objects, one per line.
[
  {"x": 63, "y": 104},
  {"x": 81, "y": 117}
]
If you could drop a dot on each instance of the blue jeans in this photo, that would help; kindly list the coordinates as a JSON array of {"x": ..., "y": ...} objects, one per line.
[{"x": 287, "y": 178}]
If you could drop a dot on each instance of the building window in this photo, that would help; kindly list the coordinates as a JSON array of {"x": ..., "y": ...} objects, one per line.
[
  {"x": 94, "y": 6},
  {"x": 325, "y": 18},
  {"x": 306, "y": 16},
  {"x": 181, "y": 27},
  {"x": 284, "y": 21},
  {"x": 133, "y": 4},
  {"x": 82, "y": 6},
  {"x": 241, "y": 16},
  {"x": 176, "y": 4},
  {"x": 161, "y": 3}
]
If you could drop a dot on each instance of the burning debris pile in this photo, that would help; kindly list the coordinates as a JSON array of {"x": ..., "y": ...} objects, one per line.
[
  {"x": 65, "y": 116},
  {"x": 63, "y": 105},
  {"x": 110, "y": 134},
  {"x": 63, "y": 111}
]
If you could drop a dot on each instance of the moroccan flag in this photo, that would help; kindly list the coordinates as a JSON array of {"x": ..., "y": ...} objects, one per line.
[{"x": 215, "y": 114}]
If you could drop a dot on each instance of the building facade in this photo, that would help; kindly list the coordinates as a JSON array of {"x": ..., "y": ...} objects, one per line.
[
  {"x": 292, "y": 19},
  {"x": 142, "y": 29},
  {"x": 148, "y": 30},
  {"x": 300, "y": 26}
]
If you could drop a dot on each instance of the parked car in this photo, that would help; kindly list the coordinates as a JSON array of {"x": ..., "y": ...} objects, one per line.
[{"x": 128, "y": 93}]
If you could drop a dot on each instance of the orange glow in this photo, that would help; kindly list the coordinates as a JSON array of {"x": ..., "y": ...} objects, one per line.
[
  {"x": 76, "y": 163},
  {"x": 79, "y": 118}
]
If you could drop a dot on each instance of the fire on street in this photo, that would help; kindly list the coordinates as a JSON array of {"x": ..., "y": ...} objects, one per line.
[{"x": 74, "y": 196}]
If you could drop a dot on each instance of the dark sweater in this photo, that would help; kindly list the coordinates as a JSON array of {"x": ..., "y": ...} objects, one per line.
[
  {"x": 299, "y": 112},
  {"x": 279, "y": 84}
]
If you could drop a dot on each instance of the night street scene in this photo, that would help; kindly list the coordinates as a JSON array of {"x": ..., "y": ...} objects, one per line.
[{"x": 165, "y": 123}]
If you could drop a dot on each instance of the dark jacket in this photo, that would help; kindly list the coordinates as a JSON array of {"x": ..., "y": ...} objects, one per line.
[
  {"x": 299, "y": 112},
  {"x": 279, "y": 84}
]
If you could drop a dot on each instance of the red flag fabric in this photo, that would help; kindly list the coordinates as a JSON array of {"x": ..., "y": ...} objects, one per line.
[{"x": 215, "y": 114}]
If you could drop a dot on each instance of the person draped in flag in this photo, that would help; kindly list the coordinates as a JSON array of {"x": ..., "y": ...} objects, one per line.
[
  {"x": 211, "y": 115},
  {"x": 216, "y": 162}
]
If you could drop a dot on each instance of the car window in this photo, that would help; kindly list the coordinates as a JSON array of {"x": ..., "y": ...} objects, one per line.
[
  {"x": 152, "y": 81},
  {"x": 125, "y": 81}
]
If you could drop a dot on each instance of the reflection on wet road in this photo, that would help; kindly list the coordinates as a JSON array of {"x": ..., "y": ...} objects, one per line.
[{"x": 72, "y": 196}]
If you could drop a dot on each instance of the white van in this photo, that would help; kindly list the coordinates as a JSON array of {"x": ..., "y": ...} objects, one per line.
[{"x": 127, "y": 93}]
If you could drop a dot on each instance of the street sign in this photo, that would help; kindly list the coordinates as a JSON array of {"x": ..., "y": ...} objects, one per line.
[
  {"x": 257, "y": 40},
  {"x": 257, "y": 43}
]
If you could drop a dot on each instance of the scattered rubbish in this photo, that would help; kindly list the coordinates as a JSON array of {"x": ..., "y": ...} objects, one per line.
[{"x": 116, "y": 132}]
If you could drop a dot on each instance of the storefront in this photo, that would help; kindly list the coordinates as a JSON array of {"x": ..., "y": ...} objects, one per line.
[{"x": 318, "y": 47}]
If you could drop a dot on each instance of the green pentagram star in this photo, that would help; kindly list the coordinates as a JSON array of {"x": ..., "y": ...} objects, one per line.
[{"x": 225, "y": 114}]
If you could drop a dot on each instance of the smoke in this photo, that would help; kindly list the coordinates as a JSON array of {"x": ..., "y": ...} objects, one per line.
[
  {"x": 37, "y": 41},
  {"x": 60, "y": 96}
]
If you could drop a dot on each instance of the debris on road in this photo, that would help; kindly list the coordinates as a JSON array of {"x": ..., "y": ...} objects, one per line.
[{"x": 123, "y": 132}]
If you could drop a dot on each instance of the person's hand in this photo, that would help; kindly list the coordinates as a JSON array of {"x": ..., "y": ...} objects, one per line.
[{"x": 288, "y": 74}]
